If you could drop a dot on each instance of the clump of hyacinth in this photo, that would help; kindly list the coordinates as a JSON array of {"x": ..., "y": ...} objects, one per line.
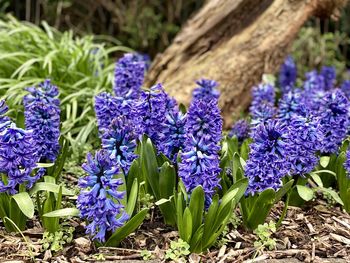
[
  {"x": 119, "y": 141},
  {"x": 334, "y": 117},
  {"x": 100, "y": 200},
  {"x": 206, "y": 90},
  {"x": 109, "y": 107},
  {"x": 199, "y": 159},
  {"x": 42, "y": 115},
  {"x": 329, "y": 76},
  {"x": 290, "y": 104},
  {"x": 129, "y": 75},
  {"x": 345, "y": 87},
  {"x": 153, "y": 107},
  {"x": 267, "y": 163},
  {"x": 240, "y": 129},
  {"x": 287, "y": 75},
  {"x": 172, "y": 134},
  {"x": 304, "y": 137},
  {"x": 18, "y": 158}
]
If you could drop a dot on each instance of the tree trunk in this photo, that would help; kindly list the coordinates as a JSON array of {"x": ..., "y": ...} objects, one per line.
[{"x": 234, "y": 42}]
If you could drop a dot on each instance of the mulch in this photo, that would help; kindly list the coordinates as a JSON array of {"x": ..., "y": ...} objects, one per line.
[{"x": 316, "y": 233}]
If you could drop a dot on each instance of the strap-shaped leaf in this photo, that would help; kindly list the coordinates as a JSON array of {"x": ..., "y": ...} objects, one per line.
[
  {"x": 219, "y": 228},
  {"x": 25, "y": 203},
  {"x": 134, "y": 172},
  {"x": 129, "y": 227},
  {"x": 149, "y": 166},
  {"x": 44, "y": 165},
  {"x": 224, "y": 213},
  {"x": 245, "y": 149},
  {"x": 236, "y": 164},
  {"x": 347, "y": 201},
  {"x": 130, "y": 207},
  {"x": 196, "y": 207},
  {"x": 167, "y": 180},
  {"x": 196, "y": 240},
  {"x": 50, "y": 187},
  {"x": 186, "y": 225},
  {"x": 261, "y": 208},
  {"x": 179, "y": 211},
  {"x": 241, "y": 185},
  {"x": 343, "y": 181},
  {"x": 210, "y": 217},
  {"x": 63, "y": 212},
  {"x": 283, "y": 190}
]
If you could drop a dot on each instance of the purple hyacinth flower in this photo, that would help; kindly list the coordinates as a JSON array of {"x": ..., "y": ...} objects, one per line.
[
  {"x": 45, "y": 92},
  {"x": 334, "y": 117},
  {"x": 206, "y": 90},
  {"x": 287, "y": 75},
  {"x": 345, "y": 87},
  {"x": 314, "y": 90},
  {"x": 172, "y": 134},
  {"x": 240, "y": 129},
  {"x": 153, "y": 107},
  {"x": 329, "y": 75},
  {"x": 263, "y": 93},
  {"x": 100, "y": 201},
  {"x": 119, "y": 141},
  {"x": 199, "y": 159},
  {"x": 18, "y": 158},
  {"x": 261, "y": 113},
  {"x": 304, "y": 137},
  {"x": 290, "y": 104},
  {"x": 262, "y": 106},
  {"x": 129, "y": 75},
  {"x": 109, "y": 107},
  {"x": 267, "y": 163},
  {"x": 42, "y": 116}
]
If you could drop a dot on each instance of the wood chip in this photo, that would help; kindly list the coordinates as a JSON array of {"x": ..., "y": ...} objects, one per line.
[
  {"x": 257, "y": 259},
  {"x": 222, "y": 251},
  {"x": 341, "y": 222},
  {"x": 340, "y": 238}
]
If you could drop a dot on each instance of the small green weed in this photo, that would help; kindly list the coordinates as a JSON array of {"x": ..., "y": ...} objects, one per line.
[
  {"x": 264, "y": 233},
  {"x": 55, "y": 241},
  {"x": 178, "y": 250}
]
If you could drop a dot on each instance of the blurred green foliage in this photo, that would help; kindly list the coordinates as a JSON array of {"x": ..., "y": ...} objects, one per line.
[
  {"x": 312, "y": 49},
  {"x": 324, "y": 42},
  {"x": 144, "y": 25}
]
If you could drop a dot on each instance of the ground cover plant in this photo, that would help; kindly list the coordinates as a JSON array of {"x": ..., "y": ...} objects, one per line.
[{"x": 155, "y": 158}]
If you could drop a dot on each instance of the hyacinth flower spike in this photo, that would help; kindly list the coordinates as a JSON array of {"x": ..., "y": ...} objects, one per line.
[
  {"x": 129, "y": 75},
  {"x": 100, "y": 201},
  {"x": 119, "y": 141},
  {"x": 287, "y": 75},
  {"x": 18, "y": 158},
  {"x": 199, "y": 159},
  {"x": 42, "y": 116}
]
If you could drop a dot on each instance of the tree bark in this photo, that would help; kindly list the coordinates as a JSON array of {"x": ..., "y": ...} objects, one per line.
[{"x": 234, "y": 42}]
